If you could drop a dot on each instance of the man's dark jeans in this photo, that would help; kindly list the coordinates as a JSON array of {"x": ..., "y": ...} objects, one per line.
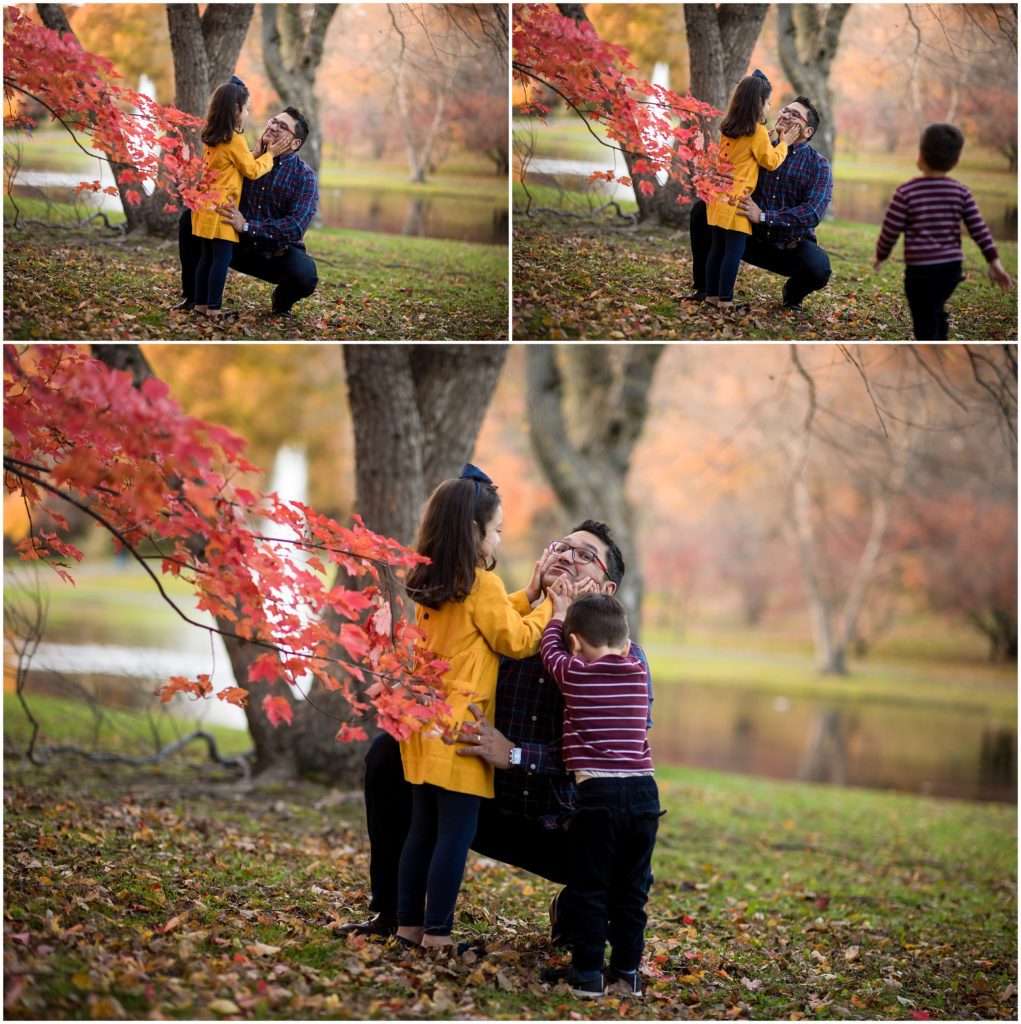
[
  {"x": 928, "y": 288},
  {"x": 612, "y": 832},
  {"x": 293, "y": 271},
  {"x": 509, "y": 838},
  {"x": 807, "y": 266}
]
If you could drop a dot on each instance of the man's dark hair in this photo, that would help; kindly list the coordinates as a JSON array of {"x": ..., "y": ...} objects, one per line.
[
  {"x": 745, "y": 110},
  {"x": 301, "y": 127},
  {"x": 614, "y": 559},
  {"x": 599, "y": 619},
  {"x": 813, "y": 118},
  {"x": 941, "y": 146}
]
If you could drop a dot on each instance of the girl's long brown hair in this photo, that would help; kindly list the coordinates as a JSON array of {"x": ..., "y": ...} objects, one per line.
[
  {"x": 745, "y": 110},
  {"x": 455, "y": 519},
  {"x": 223, "y": 117}
]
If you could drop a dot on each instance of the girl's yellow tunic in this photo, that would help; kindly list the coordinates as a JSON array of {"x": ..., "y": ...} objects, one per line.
[
  {"x": 228, "y": 162},
  {"x": 471, "y": 635},
  {"x": 746, "y": 153}
]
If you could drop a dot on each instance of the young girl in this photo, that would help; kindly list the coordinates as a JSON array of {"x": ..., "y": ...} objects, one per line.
[
  {"x": 228, "y": 157},
  {"x": 744, "y": 143},
  {"x": 469, "y": 620}
]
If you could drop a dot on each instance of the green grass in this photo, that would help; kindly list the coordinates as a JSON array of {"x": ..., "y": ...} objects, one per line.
[
  {"x": 62, "y": 285},
  {"x": 597, "y": 279},
  {"x": 101, "y": 727},
  {"x": 144, "y": 894}
]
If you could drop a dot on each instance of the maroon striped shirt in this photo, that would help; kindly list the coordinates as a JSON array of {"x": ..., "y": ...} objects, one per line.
[
  {"x": 606, "y": 707},
  {"x": 929, "y": 212}
]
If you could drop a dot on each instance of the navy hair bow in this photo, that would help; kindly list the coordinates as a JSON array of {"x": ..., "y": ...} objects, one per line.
[
  {"x": 234, "y": 80},
  {"x": 758, "y": 74},
  {"x": 470, "y": 472}
]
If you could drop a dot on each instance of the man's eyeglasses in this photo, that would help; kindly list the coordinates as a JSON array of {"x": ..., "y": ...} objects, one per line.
[
  {"x": 583, "y": 556},
  {"x": 787, "y": 112},
  {"x": 277, "y": 124}
]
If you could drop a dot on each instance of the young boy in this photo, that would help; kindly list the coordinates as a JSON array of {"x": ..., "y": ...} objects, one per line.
[
  {"x": 613, "y": 829},
  {"x": 929, "y": 210}
]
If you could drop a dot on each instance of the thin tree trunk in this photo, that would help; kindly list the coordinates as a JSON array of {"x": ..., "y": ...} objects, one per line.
[
  {"x": 292, "y": 54},
  {"x": 808, "y": 44},
  {"x": 584, "y": 439}
]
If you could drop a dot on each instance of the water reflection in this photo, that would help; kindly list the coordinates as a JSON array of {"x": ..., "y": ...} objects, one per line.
[
  {"x": 464, "y": 219},
  {"x": 918, "y": 748}
]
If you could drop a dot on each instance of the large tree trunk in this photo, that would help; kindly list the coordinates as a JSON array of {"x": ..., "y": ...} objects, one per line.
[
  {"x": 204, "y": 55},
  {"x": 417, "y": 411},
  {"x": 808, "y": 42},
  {"x": 587, "y": 407},
  {"x": 292, "y": 50},
  {"x": 273, "y": 746},
  {"x": 720, "y": 44}
]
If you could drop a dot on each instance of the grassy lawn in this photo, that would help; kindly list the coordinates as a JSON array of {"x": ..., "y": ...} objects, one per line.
[
  {"x": 62, "y": 285},
  {"x": 602, "y": 280},
  {"x": 177, "y": 893}
]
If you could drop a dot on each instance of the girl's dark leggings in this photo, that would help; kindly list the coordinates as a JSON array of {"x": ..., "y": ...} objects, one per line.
[
  {"x": 724, "y": 258},
  {"x": 211, "y": 273},
  {"x": 443, "y": 825}
]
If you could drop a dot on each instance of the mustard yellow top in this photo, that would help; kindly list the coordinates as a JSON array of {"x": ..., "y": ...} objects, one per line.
[
  {"x": 228, "y": 162},
  {"x": 471, "y": 635},
  {"x": 747, "y": 154}
]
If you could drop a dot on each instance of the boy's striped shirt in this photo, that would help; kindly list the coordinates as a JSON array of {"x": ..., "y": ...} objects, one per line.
[
  {"x": 929, "y": 212},
  {"x": 606, "y": 708}
]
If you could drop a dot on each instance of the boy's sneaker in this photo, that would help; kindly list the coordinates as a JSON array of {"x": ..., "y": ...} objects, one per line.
[
  {"x": 587, "y": 986},
  {"x": 624, "y": 982}
]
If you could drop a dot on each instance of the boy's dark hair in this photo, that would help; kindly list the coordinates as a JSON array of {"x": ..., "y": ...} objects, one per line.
[
  {"x": 813, "y": 118},
  {"x": 455, "y": 516},
  {"x": 301, "y": 126},
  {"x": 224, "y": 113},
  {"x": 614, "y": 559},
  {"x": 745, "y": 110},
  {"x": 941, "y": 146},
  {"x": 599, "y": 619}
]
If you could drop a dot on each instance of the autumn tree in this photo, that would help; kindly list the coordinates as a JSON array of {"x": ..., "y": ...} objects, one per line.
[
  {"x": 205, "y": 51},
  {"x": 106, "y": 437},
  {"x": 587, "y": 407},
  {"x": 809, "y": 35},
  {"x": 660, "y": 135},
  {"x": 293, "y": 38}
]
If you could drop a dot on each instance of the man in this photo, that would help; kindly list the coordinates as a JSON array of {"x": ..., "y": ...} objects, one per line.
[
  {"x": 523, "y": 825},
  {"x": 784, "y": 209},
  {"x": 271, "y": 219}
]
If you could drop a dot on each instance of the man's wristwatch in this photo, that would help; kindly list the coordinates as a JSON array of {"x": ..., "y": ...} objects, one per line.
[
  {"x": 762, "y": 217},
  {"x": 244, "y": 228},
  {"x": 514, "y": 759}
]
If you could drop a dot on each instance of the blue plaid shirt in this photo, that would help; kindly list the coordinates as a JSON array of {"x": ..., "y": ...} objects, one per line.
[
  {"x": 280, "y": 205},
  {"x": 530, "y": 713},
  {"x": 794, "y": 197}
]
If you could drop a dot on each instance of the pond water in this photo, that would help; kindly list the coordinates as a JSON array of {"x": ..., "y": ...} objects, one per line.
[
  {"x": 465, "y": 219},
  {"x": 861, "y": 201},
  {"x": 911, "y": 747}
]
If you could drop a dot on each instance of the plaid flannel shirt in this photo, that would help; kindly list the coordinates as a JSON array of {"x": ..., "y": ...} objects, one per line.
[
  {"x": 280, "y": 205},
  {"x": 794, "y": 197},
  {"x": 530, "y": 713}
]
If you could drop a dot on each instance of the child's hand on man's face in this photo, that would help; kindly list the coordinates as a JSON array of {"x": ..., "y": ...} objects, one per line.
[{"x": 561, "y": 592}]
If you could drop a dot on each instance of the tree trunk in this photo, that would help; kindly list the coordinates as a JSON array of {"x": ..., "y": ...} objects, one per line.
[
  {"x": 273, "y": 746},
  {"x": 204, "y": 55},
  {"x": 292, "y": 50},
  {"x": 417, "y": 411},
  {"x": 808, "y": 43},
  {"x": 586, "y": 413}
]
